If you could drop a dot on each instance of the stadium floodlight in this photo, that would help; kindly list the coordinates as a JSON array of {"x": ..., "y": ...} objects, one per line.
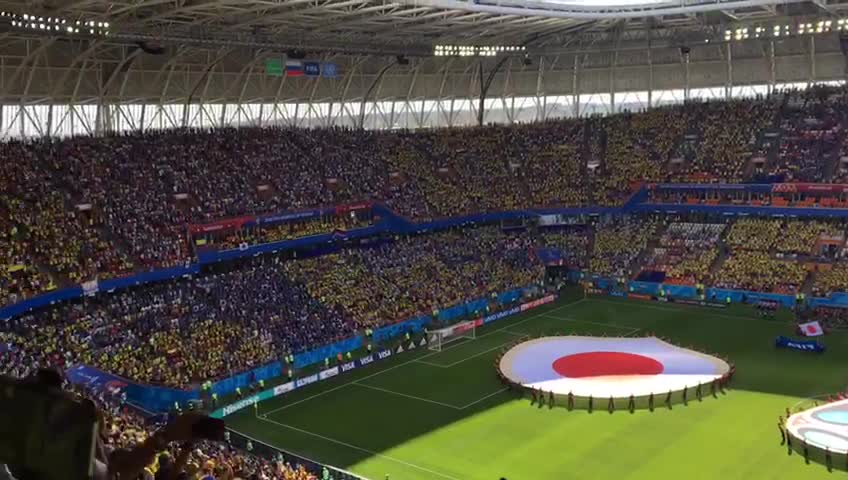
[
  {"x": 47, "y": 24},
  {"x": 474, "y": 50}
]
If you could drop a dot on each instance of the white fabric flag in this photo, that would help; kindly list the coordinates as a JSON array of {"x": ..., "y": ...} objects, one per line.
[{"x": 811, "y": 329}]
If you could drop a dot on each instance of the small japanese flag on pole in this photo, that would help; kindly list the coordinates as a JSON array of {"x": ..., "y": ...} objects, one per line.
[{"x": 811, "y": 329}]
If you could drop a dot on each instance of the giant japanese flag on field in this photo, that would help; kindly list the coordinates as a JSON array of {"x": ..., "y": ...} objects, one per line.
[{"x": 811, "y": 329}]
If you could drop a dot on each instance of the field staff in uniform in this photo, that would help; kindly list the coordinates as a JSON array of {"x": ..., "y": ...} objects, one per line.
[{"x": 782, "y": 432}]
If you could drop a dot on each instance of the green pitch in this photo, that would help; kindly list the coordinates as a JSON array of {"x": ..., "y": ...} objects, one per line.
[{"x": 444, "y": 416}]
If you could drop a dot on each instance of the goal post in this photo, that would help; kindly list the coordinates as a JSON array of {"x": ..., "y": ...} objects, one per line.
[{"x": 437, "y": 339}]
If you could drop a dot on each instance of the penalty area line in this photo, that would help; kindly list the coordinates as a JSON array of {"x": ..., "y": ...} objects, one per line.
[
  {"x": 475, "y": 402},
  {"x": 413, "y": 397},
  {"x": 631, "y": 330},
  {"x": 365, "y": 450},
  {"x": 683, "y": 308}
]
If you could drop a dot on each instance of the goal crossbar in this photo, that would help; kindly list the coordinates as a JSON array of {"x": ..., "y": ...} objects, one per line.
[{"x": 437, "y": 339}]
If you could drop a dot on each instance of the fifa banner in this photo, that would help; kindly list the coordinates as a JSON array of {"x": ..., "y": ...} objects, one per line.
[
  {"x": 288, "y": 217},
  {"x": 803, "y": 345},
  {"x": 95, "y": 379},
  {"x": 158, "y": 399},
  {"x": 300, "y": 382},
  {"x": 811, "y": 329},
  {"x": 502, "y": 314},
  {"x": 537, "y": 303}
]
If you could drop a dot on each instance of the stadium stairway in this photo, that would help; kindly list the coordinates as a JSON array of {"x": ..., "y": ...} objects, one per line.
[
  {"x": 807, "y": 286},
  {"x": 768, "y": 140},
  {"x": 831, "y": 162},
  {"x": 639, "y": 262},
  {"x": 723, "y": 254}
]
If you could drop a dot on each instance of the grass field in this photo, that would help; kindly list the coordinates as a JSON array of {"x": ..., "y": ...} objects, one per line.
[{"x": 425, "y": 415}]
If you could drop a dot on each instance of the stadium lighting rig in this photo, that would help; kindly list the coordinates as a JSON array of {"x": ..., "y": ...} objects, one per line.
[
  {"x": 782, "y": 30},
  {"x": 55, "y": 25},
  {"x": 475, "y": 50}
]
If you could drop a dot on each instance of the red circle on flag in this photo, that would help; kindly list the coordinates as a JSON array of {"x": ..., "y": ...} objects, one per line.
[{"x": 598, "y": 364}]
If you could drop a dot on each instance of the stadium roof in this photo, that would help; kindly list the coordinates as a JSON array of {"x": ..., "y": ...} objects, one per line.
[{"x": 410, "y": 27}]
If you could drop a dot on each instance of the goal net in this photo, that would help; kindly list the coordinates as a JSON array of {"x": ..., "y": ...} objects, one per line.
[{"x": 437, "y": 339}]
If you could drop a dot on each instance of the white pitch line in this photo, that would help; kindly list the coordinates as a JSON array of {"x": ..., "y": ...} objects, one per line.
[
  {"x": 422, "y": 362},
  {"x": 451, "y": 365},
  {"x": 477, "y": 355},
  {"x": 380, "y": 372},
  {"x": 420, "y": 399},
  {"x": 475, "y": 402},
  {"x": 517, "y": 334},
  {"x": 365, "y": 450},
  {"x": 679, "y": 307},
  {"x": 589, "y": 322}
]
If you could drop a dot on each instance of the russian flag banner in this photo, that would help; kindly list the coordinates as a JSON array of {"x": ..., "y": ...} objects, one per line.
[
  {"x": 294, "y": 68},
  {"x": 811, "y": 329}
]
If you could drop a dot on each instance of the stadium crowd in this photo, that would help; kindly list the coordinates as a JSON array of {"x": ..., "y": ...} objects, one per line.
[
  {"x": 239, "y": 316},
  {"x": 184, "y": 332},
  {"x": 82, "y": 208},
  {"x": 420, "y": 274},
  {"x": 618, "y": 244},
  {"x": 573, "y": 244},
  {"x": 235, "y": 238},
  {"x": 811, "y": 133},
  {"x": 830, "y": 280},
  {"x": 686, "y": 252},
  {"x": 79, "y": 208}
]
